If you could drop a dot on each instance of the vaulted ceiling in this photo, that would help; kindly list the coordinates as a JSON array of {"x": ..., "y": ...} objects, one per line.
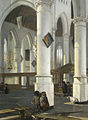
[
  {"x": 29, "y": 19},
  {"x": 28, "y": 14}
]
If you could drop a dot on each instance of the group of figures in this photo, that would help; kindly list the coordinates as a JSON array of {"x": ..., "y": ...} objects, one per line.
[
  {"x": 67, "y": 91},
  {"x": 67, "y": 88},
  {"x": 40, "y": 101}
]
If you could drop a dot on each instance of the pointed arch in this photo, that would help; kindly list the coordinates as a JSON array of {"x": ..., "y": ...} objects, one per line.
[
  {"x": 15, "y": 4},
  {"x": 29, "y": 39},
  {"x": 65, "y": 25}
]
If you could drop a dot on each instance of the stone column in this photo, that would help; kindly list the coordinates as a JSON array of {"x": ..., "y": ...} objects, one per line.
[
  {"x": 53, "y": 50},
  {"x": 44, "y": 78},
  {"x": 1, "y": 56},
  {"x": 18, "y": 59},
  {"x": 65, "y": 54},
  {"x": 80, "y": 86},
  {"x": 54, "y": 27},
  {"x": 15, "y": 60},
  {"x": 71, "y": 51},
  {"x": 32, "y": 69}
]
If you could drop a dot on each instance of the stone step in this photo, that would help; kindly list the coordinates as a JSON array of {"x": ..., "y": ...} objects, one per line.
[
  {"x": 12, "y": 110},
  {"x": 58, "y": 116},
  {"x": 14, "y": 117},
  {"x": 7, "y": 111},
  {"x": 11, "y": 114}
]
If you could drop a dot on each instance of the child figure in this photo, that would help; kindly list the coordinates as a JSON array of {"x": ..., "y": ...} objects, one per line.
[{"x": 44, "y": 104}]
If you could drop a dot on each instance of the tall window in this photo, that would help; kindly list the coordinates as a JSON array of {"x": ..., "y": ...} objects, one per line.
[
  {"x": 27, "y": 54},
  {"x": 59, "y": 56}
]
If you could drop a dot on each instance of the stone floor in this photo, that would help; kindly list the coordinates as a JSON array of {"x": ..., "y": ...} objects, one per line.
[{"x": 21, "y": 98}]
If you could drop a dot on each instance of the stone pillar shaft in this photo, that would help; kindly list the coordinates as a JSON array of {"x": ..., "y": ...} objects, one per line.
[
  {"x": 80, "y": 48},
  {"x": 65, "y": 49},
  {"x": 18, "y": 59},
  {"x": 65, "y": 54},
  {"x": 32, "y": 69},
  {"x": 53, "y": 50},
  {"x": 43, "y": 28},
  {"x": 1, "y": 56},
  {"x": 44, "y": 78},
  {"x": 80, "y": 86}
]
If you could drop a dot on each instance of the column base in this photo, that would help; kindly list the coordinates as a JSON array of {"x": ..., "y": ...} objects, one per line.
[
  {"x": 44, "y": 83},
  {"x": 80, "y": 89}
]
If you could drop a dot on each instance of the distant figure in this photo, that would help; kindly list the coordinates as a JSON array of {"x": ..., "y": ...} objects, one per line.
[
  {"x": 6, "y": 89},
  {"x": 64, "y": 86},
  {"x": 72, "y": 99},
  {"x": 68, "y": 88},
  {"x": 44, "y": 104},
  {"x": 36, "y": 100}
]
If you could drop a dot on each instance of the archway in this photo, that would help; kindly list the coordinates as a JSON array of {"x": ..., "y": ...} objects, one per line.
[
  {"x": 25, "y": 54},
  {"x": 10, "y": 64},
  {"x": 12, "y": 17},
  {"x": 11, "y": 7},
  {"x": 62, "y": 33},
  {"x": 80, "y": 85},
  {"x": 11, "y": 55},
  {"x": 58, "y": 37},
  {"x": 62, "y": 45}
]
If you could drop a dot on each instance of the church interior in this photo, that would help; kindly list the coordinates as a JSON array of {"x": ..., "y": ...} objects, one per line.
[{"x": 42, "y": 48}]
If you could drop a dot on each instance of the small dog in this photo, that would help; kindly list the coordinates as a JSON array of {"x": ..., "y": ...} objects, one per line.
[{"x": 72, "y": 99}]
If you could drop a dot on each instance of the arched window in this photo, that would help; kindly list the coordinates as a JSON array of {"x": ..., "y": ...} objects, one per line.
[{"x": 59, "y": 55}]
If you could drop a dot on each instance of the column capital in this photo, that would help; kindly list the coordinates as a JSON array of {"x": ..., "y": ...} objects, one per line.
[
  {"x": 42, "y": 2},
  {"x": 79, "y": 19},
  {"x": 66, "y": 35}
]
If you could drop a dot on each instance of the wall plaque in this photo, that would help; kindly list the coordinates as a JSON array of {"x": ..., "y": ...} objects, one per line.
[{"x": 48, "y": 39}]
